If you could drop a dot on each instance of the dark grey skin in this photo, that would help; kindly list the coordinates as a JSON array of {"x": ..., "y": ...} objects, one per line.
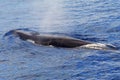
[{"x": 56, "y": 41}]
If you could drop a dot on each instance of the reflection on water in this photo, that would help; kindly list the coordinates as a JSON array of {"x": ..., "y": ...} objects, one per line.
[{"x": 92, "y": 20}]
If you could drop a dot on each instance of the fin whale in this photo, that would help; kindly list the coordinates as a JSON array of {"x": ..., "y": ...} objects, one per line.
[{"x": 59, "y": 41}]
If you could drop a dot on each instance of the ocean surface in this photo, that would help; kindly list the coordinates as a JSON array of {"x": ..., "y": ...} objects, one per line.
[{"x": 90, "y": 20}]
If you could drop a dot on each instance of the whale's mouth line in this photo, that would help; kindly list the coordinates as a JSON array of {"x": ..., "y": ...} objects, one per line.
[{"x": 58, "y": 41}]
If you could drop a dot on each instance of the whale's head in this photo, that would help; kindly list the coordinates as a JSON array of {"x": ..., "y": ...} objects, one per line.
[{"x": 24, "y": 35}]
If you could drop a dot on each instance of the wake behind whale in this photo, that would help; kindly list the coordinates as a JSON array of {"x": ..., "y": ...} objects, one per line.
[{"x": 58, "y": 41}]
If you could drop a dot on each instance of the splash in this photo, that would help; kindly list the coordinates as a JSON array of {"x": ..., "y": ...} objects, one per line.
[{"x": 52, "y": 14}]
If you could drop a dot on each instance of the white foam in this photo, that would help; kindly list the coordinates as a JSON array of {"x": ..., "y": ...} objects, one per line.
[
  {"x": 95, "y": 46},
  {"x": 29, "y": 40}
]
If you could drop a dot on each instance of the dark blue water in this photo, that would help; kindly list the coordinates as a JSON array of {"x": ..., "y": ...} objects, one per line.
[{"x": 91, "y": 20}]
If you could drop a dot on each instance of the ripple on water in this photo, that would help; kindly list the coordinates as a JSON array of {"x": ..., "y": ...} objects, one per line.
[{"x": 92, "y": 20}]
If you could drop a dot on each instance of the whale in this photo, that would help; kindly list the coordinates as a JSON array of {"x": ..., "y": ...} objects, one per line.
[{"x": 59, "y": 41}]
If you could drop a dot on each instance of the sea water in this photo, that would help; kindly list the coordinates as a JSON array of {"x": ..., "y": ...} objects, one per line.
[{"x": 90, "y": 20}]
